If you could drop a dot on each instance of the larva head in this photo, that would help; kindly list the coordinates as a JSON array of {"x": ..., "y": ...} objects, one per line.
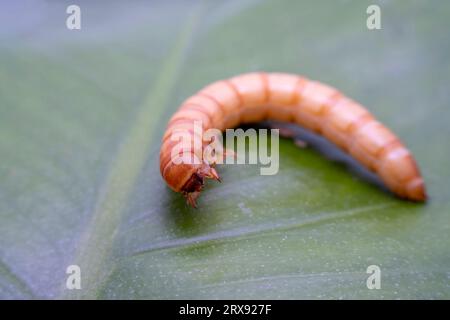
[
  {"x": 193, "y": 186},
  {"x": 197, "y": 180},
  {"x": 177, "y": 171},
  {"x": 194, "y": 183},
  {"x": 178, "y": 176}
]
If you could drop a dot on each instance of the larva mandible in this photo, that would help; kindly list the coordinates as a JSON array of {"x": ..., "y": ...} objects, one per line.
[{"x": 254, "y": 97}]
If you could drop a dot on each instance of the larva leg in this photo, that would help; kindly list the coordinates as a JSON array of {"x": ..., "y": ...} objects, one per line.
[
  {"x": 284, "y": 97},
  {"x": 191, "y": 198},
  {"x": 191, "y": 189}
]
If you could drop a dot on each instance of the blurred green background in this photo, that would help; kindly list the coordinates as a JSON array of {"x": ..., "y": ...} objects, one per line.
[{"x": 81, "y": 118}]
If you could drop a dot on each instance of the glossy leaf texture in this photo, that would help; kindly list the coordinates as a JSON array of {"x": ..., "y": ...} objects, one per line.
[{"x": 82, "y": 113}]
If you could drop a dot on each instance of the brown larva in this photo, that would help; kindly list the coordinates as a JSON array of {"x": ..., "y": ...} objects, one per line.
[{"x": 255, "y": 97}]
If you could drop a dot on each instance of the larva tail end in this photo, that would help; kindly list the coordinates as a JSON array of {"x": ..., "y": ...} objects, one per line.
[
  {"x": 191, "y": 190},
  {"x": 416, "y": 190}
]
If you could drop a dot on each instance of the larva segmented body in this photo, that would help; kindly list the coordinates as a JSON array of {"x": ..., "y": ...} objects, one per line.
[{"x": 254, "y": 97}]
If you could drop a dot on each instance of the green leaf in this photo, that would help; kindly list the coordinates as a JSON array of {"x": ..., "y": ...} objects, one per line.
[{"x": 82, "y": 113}]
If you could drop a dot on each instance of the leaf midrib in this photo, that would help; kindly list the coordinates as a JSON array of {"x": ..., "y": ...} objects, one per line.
[{"x": 97, "y": 240}]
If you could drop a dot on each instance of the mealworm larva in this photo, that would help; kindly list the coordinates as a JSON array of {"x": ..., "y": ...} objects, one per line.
[{"x": 254, "y": 97}]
